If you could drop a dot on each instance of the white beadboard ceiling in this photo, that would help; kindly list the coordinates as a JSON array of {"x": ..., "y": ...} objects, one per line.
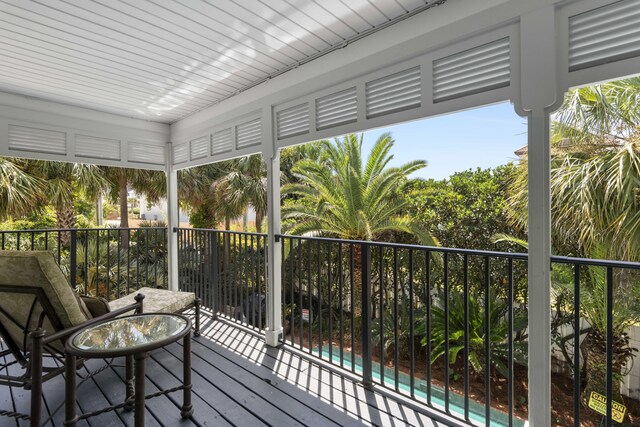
[{"x": 162, "y": 60}]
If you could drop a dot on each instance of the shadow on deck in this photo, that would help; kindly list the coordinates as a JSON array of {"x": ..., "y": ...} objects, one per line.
[{"x": 237, "y": 381}]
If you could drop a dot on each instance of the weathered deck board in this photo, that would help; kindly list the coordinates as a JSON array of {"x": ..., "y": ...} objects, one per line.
[{"x": 237, "y": 380}]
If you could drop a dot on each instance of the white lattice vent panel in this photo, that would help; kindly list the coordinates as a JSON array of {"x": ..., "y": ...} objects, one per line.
[
  {"x": 337, "y": 109},
  {"x": 472, "y": 71},
  {"x": 97, "y": 148},
  {"x": 248, "y": 134},
  {"x": 145, "y": 153},
  {"x": 23, "y": 138},
  {"x": 609, "y": 33},
  {"x": 199, "y": 147},
  {"x": 221, "y": 141},
  {"x": 393, "y": 93}
]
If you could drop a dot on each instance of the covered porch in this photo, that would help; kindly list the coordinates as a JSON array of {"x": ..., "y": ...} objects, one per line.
[
  {"x": 237, "y": 380},
  {"x": 171, "y": 86}
]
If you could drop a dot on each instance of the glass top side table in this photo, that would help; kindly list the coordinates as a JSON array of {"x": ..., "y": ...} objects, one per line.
[{"x": 132, "y": 337}]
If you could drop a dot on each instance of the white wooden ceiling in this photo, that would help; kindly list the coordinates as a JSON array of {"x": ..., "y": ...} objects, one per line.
[{"x": 162, "y": 60}]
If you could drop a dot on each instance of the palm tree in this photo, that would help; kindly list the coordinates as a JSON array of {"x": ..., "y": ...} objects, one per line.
[
  {"x": 20, "y": 192},
  {"x": 61, "y": 184},
  {"x": 595, "y": 180},
  {"x": 600, "y": 112},
  {"x": 343, "y": 195},
  {"x": 243, "y": 184}
]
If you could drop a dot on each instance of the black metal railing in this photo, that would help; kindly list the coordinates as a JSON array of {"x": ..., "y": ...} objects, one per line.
[
  {"x": 105, "y": 262},
  {"x": 227, "y": 271},
  {"x": 598, "y": 300},
  {"x": 394, "y": 314},
  {"x": 446, "y": 327}
]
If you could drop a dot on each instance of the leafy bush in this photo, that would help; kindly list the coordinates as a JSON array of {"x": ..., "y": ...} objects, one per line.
[{"x": 499, "y": 327}]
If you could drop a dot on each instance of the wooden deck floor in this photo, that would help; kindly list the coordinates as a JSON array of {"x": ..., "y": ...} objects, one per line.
[{"x": 237, "y": 381}]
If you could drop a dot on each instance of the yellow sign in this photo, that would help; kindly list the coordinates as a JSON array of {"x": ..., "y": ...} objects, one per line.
[{"x": 598, "y": 403}]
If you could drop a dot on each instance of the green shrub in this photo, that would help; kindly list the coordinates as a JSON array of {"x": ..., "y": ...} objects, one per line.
[{"x": 499, "y": 327}]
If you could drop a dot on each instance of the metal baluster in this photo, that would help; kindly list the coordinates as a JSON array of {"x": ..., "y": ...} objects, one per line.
[
  {"x": 108, "y": 296},
  {"x": 510, "y": 343},
  {"x": 395, "y": 321},
  {"x": 576, "y": 345},
  {"x": 73, "y": 262},
  {"x": 427, "y": 320},
  {"x": 412, "y": 362},
  {"x": 446, "y": 331},
  {"x": 300, "y": 290},
  {"x": 318, "y": 269},
  {"x": 341, "y": 280},
  {"x": 351, "y": 266},
  {"x": 609, "y": 345},
  {"x": 381, "y": 310},
  {"x": 86, "y": 261},
  {"x": 292, "y": 325},
  {"x": 487, "y": 340},
  {"x": 329, "y": 282},
  {"x": 465, "y": 296},
  {"x": 97, "y": 261},
  {"x": 128, "y": 249},
  {"x": 309, "y": 296},
  {"x": 367, "y": 378}
]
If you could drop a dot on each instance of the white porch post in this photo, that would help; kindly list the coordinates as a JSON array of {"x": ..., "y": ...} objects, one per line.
[
  {"x": 271, "y": 155},
  {"x": 274, "y": 260},
  {"x": 539, "y": 96},
  {"x": 173, "y": 219}
]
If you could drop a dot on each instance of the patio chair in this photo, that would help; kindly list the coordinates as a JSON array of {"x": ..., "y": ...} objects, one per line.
[{"x": 39, "y": 311}]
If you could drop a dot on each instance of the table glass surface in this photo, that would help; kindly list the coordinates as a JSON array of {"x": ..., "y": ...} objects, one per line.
[{"x": 127, "y": 333}]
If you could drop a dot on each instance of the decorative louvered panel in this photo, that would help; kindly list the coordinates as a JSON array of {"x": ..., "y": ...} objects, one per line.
[
  {"x": 473, "y": 71},
  {"x": 199, "y": 147},
  {"x": 248, "y": 134},
  {"x": 609, "y": 33},
  {"x": 221, "y": 142},
  {"x": 336, "y": 109},
  {"x": 393, "y": 93},
  {"x": 93, "y": 147},
  {"x": 24, "y": 138},
  {"x": 293, "y": 121},
  {"x": 145, "y": 153},
  {"x": 180, "y": 153}
]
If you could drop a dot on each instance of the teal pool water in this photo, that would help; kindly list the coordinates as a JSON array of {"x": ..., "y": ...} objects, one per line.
[{"x": 456, "y": 401}]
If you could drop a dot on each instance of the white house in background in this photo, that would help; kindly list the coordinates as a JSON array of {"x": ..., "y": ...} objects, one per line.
[{"x": 158, "y": 211}]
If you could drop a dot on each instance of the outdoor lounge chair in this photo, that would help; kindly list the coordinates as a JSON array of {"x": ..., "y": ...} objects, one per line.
[{"x": 39, "y": 311}]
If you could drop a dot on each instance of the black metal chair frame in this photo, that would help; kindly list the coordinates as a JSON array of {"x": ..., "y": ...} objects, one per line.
[{"x": 35, "y": 373}]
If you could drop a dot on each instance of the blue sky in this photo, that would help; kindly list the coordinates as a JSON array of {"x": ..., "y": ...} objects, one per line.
[{"x": 483, "y": 137}]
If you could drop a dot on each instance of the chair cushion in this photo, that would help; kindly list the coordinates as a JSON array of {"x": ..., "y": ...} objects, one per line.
[
  {"x": 35, "y": 269},
  {"x": 96, "y": 306},
  {"x": 157, "y": 300}
]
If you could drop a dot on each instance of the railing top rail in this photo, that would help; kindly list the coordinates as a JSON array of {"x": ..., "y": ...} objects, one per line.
[
  {"x": 211, "y": 230},
  {"x": 49, "y": 230},
  {"x": 474, "y": 252},
  {"x": 595, "y": 262}
]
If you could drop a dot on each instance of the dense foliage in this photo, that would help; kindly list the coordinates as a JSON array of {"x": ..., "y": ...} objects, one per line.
[{"x": 466, "y": 210}]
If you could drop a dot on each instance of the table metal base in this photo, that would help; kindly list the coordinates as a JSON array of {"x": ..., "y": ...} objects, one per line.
[{"x": 135, "y": 387}]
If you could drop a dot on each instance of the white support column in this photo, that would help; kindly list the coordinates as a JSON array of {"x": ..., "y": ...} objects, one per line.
[
  {"x": 539, "y": 234},
  {"x": 539, "y": 96},
  {"x": 271, "y": 155},
  {"x": 274, "y": 261},
  {"x": 173, "y": 220}
]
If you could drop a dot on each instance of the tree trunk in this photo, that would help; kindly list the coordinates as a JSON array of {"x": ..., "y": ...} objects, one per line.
[
  {"x": 123, "y": 196},
  {"x": 259, "y": 222},
  {"x": 596, "y": 364},
  {"x": 226, "y": 245},
  {"x": 66, "y": 219},
  {"x": 357, "y": 281}
]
